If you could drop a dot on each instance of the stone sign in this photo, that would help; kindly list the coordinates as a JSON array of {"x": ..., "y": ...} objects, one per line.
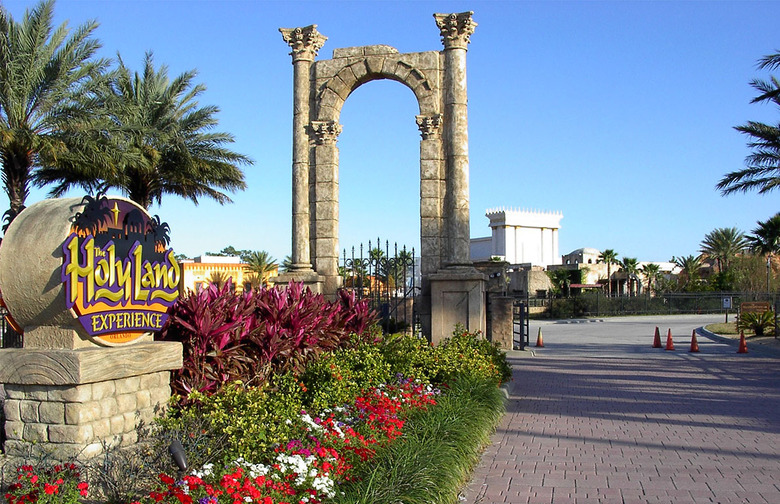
[
  {"x": 87, "y": 281},
  {"x": 120, "y": 276}
]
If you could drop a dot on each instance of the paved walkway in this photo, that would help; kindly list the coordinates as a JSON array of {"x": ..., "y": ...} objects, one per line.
[{"x": 621, "y": 422}]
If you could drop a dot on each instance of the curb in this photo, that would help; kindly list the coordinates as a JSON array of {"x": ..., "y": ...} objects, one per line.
[
  {"x": 758, "y": 348},
  {"x": 577, "y": 321}
]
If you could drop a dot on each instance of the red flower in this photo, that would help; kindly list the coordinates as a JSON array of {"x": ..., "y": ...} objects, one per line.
[{"x": 50, "y": 489}]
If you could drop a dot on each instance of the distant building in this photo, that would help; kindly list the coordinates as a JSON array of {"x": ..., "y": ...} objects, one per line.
[
  {"x": 520, "y": 237},
  {"x": 199, "y": 272},
  {"x": 594, "y": 271},
  {"x": 584, "y": 255}
]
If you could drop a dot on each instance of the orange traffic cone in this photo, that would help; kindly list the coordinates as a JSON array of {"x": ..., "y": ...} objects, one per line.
[
  {"x": 539, "y": 340},
  {"x": 669, "y": 342},
  {"x": 742, "y": 343},
  {"x": 694, "y": 343},
  {"x": 657, "y": 338}
]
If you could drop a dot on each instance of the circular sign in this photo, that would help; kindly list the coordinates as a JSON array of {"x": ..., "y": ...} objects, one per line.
[{"x": 119, "y": 274}]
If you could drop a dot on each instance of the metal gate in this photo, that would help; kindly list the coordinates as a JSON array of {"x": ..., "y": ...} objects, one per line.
[
  {"x": 389, "y": 282},
  {"x": 8, "y": 337},
  {"x": 520, "y": 324}
]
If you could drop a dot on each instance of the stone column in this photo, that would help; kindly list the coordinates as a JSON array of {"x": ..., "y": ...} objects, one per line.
[
  {"x": 456, "y": 30},
  {"x": 431, "y": 211},
  {"x": 305, "y": 43},
  {"x": 457, "y": 289},
  {"x": 431, "y": 189},
  {"x": 326, "y": 203}
]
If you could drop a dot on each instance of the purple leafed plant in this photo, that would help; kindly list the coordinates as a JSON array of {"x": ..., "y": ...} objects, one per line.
[{"x": 249, "y": 336}]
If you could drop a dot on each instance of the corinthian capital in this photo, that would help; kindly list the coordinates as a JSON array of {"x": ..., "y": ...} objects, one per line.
[
  {"x": 456, "y": 29},
  {"x": 429, "y": 125},
  {"x": 305, "y": 42},
  {"x": 325, "y": 132}
]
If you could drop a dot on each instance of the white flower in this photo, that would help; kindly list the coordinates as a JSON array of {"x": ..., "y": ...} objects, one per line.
[{"x": 206, "y": 470}]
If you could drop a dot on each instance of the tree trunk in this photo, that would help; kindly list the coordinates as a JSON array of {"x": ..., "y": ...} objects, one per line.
[{"x": 16, "y": 175}]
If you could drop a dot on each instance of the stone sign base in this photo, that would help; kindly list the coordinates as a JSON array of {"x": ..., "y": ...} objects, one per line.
[
  {"x": 457, "y": 297},
  {"x": 68, "y": 403}
]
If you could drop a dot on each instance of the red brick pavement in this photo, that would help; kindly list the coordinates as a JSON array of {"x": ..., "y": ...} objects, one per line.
[{"x": 676, "y": 428}]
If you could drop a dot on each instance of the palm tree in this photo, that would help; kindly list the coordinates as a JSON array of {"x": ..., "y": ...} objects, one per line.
[
  {"x": 723, "y": 244},
  {"x": 262, "y": 264},
  {"x": 690, "y": 266},
  {"x": 287, "y": 264},
  {"x": 766, "y": 237},
  {"x": 47, "y": 79},
  {"x": 630, "y": 266},
  {"x": 763, "y": 165},
  {"x": 651, "y": 271},
  {"x": 253, "y": 281},
  {"x": 609, "y": 257},
  {"x": 219, "y": 279},
  {"x": 559, "y": 278},
  {"x": 157, "y": 140}
]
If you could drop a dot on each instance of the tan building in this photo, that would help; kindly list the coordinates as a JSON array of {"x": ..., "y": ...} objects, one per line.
[{"x": 204, "y": 269}]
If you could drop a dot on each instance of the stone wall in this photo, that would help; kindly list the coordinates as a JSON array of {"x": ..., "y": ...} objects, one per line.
[{"x": 78, "y": 419}]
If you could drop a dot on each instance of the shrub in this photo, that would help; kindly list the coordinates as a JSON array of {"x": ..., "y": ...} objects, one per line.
[
  {"x": 254, "y": 334},
  {"x": 468, "y": 352},
  {"x": 211, "y": 324},
  {"x": 464, "y": 351},
  {"x": 338, "y": 377},
  {"x": 251, "y": 421},
  {"x": 756, "y": 322}
]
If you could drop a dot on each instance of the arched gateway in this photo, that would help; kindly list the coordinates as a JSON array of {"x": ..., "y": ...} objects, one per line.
[{"x": 453, "y": 291}]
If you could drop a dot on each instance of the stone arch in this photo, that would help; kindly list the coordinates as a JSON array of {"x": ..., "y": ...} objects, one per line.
[
  {"x": 333, "y": 93},
  {"x": 333, "y": 82},
  {"x": 452, "y": 290}
]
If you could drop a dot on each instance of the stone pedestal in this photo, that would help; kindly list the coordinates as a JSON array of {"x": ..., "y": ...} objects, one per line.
[
  {"x": 501, "y": 321},
  {"x": 457, "y": 297},
  {"x": 309, "y": 279},
  {"x": 67, "y": 403}
]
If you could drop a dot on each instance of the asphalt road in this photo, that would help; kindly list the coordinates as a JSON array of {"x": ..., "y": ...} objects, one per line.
[{"x": 622, "y": 336}]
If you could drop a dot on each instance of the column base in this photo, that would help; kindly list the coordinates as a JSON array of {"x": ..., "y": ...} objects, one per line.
[
  {"x": 310, "y": 278},
  {"x": 457, "y": 297}
]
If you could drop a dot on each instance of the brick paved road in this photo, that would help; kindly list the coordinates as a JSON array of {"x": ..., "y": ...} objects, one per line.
[{"x": 642, "y": 426}]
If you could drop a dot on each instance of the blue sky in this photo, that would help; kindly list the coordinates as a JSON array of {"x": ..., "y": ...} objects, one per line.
[{"x": 620, "y": 115}]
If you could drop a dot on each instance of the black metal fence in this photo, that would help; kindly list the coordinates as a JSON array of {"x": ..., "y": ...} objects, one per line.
[
  {"x": 595, "y": 304},
  {"x": 520, "y": 324},
  {"x": 8, "y": 337},
  {"x": 388, "y": 280}
]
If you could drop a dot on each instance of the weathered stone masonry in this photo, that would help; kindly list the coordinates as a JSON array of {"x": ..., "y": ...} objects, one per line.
[{"x": 438, "y": 81}]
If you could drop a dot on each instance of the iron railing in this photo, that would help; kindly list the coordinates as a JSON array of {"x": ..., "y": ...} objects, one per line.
[
  {"x": 389, "y": 282},
  {"x": 595, "y": 304},
  {"x": 8, "y": 337}
]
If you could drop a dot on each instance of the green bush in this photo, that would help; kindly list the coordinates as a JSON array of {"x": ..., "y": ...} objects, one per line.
[
  {"x": 468, "y": 353},
  {"x": 755, "y": 322},
  {"x": 338, "y": 377},
  {"x": 413, "y": 357},
  {"x": 251, "y": 420}
]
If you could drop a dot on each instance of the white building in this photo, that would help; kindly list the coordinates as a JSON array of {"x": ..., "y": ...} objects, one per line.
[{"x": 520, "y": 237}]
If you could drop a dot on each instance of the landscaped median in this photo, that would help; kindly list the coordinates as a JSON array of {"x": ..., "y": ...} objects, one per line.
[{"x": 286, "y": 402}]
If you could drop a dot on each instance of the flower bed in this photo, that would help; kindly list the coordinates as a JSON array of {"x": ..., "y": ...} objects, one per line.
[{"x": 290, "y": 399}]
